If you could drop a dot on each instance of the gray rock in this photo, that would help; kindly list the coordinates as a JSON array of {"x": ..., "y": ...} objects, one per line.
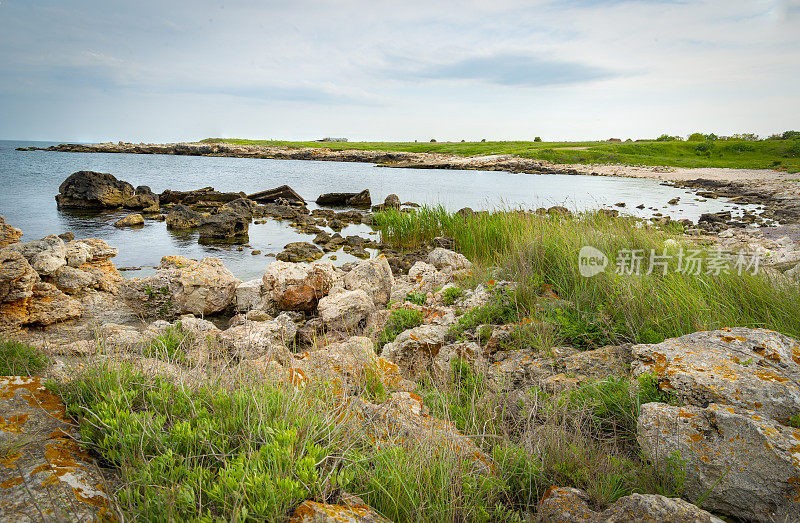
[
  {"x": 346, "y": 311},
  {"x": 373, "y": 276},
  {"x": 415, "y": 349},
  {"x": 444, "y": 258},
  {"x": 93, "y": 190}
]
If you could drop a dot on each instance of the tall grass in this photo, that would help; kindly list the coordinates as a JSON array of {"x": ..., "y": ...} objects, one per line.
[{"x": 537, "y": 250}]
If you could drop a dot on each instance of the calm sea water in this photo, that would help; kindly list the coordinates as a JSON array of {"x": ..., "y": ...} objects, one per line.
[{"x": 29, "y": 181}]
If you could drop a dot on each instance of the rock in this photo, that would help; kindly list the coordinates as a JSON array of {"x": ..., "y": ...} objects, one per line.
[
  {"x": 740, "y": 463},
  {"x": 300, "y": 252},
  {"x": 298, "y": 286},
  {"x": 415, "y": 349},
  {"x": 558, "y": 210},
  {"x": 71, "y": 280},
  {"x": 79, "y": 252},
  {"x": 17, "y": 280},
  {"x": 248, "y": 295},
  {"x": 444, "y": 258},
  {"x": 346, "y": 311},
  {"x": 50, "y": 305},
  {"x": 8, "y": 234},
  {"x": 391, "y": 202},
  {"x": 143, "y": 199},
  {"x": 284, "y": 192},
  {"x": 182, "y": 217},
  {"x": 241, "y": 207},
  {"x": 131, "y": 220},
  {"x": 224, "y": 228},
  {"x": 755, "y": 369},
  {"x": 46, "y": 255},
  {"x": 67, "y": 236},
  {"x": 354, "y": 512},
  {"x": 182, "y": 286},
  {"x": 444, "y": 241},
  {"x": 256, "y": 339},
  {"x": 44, "y": 470},
  {"x": 373, "y": 276},
  {"x": 204, "y": 196},
  {"x": 564, "y": 504},
  {"x": 361, "y": 199},
  {"x": 93, "y": 190},
  {"x": 426, "y": 278}
]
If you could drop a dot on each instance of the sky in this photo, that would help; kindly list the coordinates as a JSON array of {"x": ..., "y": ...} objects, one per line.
[{"x": 396, "y": 70}]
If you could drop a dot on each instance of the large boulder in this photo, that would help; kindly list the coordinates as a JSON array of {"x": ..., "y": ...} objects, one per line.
[
  {"x": 224, "y": 228},
  {"x": 45, "y": 255},
  {"x": 352, "y": 199},
  {"x": 143, "y": 200},
  {"x": 298, "y": 286},
  {"x": 93, "y": 190},
  {"x": 182, "y": 286},
  {"x": 182, "y": 217},
  {"x": 445, "y": 258},
  {"x": 8, "y": 234},
  {"x": 44, "y": 470},
  {"x": 737, "y": 461},
  {"x": 345, "y": 311},
  {"x": 300, "y": 252},
  {"x": 756, "y": 369},
  {"x": 414, "y": 350},
  {"x": 373, "y": 276}
]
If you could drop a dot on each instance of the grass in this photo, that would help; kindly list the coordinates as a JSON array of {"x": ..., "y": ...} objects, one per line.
[
  {"x": 399, "y": 320},
  {"x": 20, "y": 359},
  {"x": 541, "y": 253},
  {"x": 741, "y": 154}
]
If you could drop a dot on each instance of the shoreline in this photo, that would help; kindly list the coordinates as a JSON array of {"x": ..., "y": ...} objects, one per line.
[{"x": 777, "y": 191}]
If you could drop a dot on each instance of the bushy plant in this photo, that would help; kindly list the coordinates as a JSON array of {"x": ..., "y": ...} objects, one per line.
[
  {"x": 399, "y": 320},
  {"x": 20, "y": 359},
  {"x": 417, "y": 297},
  {"x": 451, "y": 294}
]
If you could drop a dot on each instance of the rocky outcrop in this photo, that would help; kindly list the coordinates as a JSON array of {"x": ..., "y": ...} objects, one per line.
[
  {"x": 131, "y": 220},
  {"x": 45, "y": 255},
  {"x": 283, "y": 193},
  {"x": 93, "y": 190},
  {"x": 43, "y": 470},
  {"x": 754, "y": 369},
  {"x": 182, "y": 286},
  {"x": 374, "y": 277},
  {"x": 182, "y": 217},
  {"x": 298, "y": 286},
  {"x": 346, "y": 311},
  {"x": 348, "y": 199},
  {"x": 739, "y": 462},
  {"x": 8, "y": 234},
  {"x": 224, "y": 228},
  {"x": 300, "y": 252}
]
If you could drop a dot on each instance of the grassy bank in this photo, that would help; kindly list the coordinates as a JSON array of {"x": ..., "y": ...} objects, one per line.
[
  {"x": 741, "y": 154},
  {"x": 541, "y": 253}
]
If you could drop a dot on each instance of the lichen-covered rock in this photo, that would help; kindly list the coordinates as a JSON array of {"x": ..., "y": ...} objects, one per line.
[
  {"x": 755, "y": 369},
  {"x": 72, "y": 280},
  {"x": 353, "y": 510},
  {"x": 248, "y": 295},
  {"x": 182, "y": 286},
  {"x": 182, "y": 217},
  {"x": 564, "y": 505},
  {"x": 415, "y": 349},
  {"x": 93, "y": 190},
  {"x": 8, "y": 234},
  {"x": 345, "y": 311},
  {"x": 17, "y": 277},
  {"x": 299, "y": 252},
  {"x": 131, "y": 220},
  {"x": 44, "y": 475},
  {"x": 373, "y": 276},
  {"x": 298, "y": 286},
  {"x": 49, "y": 305},
  {"x": 740, "y": 462},
  {"x": 255, "y": 339},
  {"x": 426, "y": 278},
  {"x": 45, "y": 255},
  {"x": 445, "y": 258}
]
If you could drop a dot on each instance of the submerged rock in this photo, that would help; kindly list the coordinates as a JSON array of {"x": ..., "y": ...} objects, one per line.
[{"x": 93, "y": 190}]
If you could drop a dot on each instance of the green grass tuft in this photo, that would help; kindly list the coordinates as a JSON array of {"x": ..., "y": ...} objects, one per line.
[{"x": 20, "y": 359}]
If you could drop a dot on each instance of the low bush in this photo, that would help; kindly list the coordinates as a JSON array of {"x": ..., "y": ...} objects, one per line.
[
  {"x": 418, "y": 297},
  {"x": 20, "y": 359},
  {"x": 451, "y": 294},
  {"x": 399, "y": 320}
]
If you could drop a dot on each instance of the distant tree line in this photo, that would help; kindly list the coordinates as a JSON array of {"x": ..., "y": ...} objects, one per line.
[{"x": 746, "y": 137}]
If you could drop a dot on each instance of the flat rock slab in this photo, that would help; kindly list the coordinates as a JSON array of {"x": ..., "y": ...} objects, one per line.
[
  {"x": 755, "y": 369},
  {"x": 44, "y": 475}
]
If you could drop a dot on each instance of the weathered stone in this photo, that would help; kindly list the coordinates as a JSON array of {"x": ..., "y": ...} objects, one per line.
[
  {"x": 224, "y": 228},
  {"x": 50, "y": 305},
  {"x": 443, "y": 258},
  {"x": 346, "y": 310},
  {"x": 564, "y": 505},
  {"x": 45, "y": 255},
  {"x": 8, "y": 234},
  {"x": 415, "y": 349},
  {"x": 426, "y": 278},
  {"x": 131, "y": 220},
  {"x": 72, "y": 280},
  {"x": 255, "y": 339},
  {"x": 17, "y": 277},
  {"x": 248, "y": 295},
  {"x": 44, "y": 475},
  {"x": 391, "y": 202},
  {"x": 79, "y": 252},
  {"x": 93, "y": 190},
  {"x": 739, "y": 462},
  {"x": 300, "y": 252},
  {"x": 352, "y": 512},
  {"x": 298, "y": 286},
  {"x": 206, "y": 195},
  {"x": 373, "y": 276},
  {"x": 284, "y": 192},
  {"x": 143, "y": 199},
  {"x": 240, "y": 207},
  {"x": 361, "y": 199},
  {"x": 755, "y": 369},
  {"x": 182, "y": 217}
]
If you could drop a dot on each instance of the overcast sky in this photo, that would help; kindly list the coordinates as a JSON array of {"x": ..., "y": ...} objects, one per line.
[{"x": 396, "y": 70}]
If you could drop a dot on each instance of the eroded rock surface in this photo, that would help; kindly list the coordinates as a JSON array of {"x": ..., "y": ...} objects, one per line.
[
  {"x": 298, "y": 286},
  {"x": 93, "y": 190}
]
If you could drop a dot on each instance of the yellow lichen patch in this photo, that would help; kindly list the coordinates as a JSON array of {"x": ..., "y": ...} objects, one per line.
[
  {"x": 9, "y": 460},
  {"x": 768, "y": 375},
  {"x": 13, "y": 424}
]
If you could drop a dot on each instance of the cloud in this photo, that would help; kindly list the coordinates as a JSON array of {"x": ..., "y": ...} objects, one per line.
[{"x": 516, "y": 70}]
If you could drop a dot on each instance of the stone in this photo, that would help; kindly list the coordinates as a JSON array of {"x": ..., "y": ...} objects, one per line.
[
  {"x": 558, "y": 210},
  {"x": 45, "y": 255},
  {"x": 353, "y": 510},
  {"x": 346, "y": 311},
  {"x": 284, "y": 192},
  {"x": 17, "y": 277},
  {"x": 8, "y": 234},
  {"x": 71, "y": 280},
  {"x": 241, "y": 207},
  {"x": 248, "y": 295},
  {"x": 224, "y": 228},
  {"x": 50, "y": 305},
  {"x": 373, "y": 276},
  {"x": 143, "y": 199},
  {"x": 182, "y": 217},
  {"x": 414, "y": 350},
  {"x": 256, "y": 339},
  {"x": 300, "y": 252},
  {"x": 426, "y": 278},
  {"x": 755, "y": 369},
  {"x": 182, "y": 286},
  {"x": 392, "y": 202},
  {"x": 444, "y": 258},
  {"x": 204, "y": 196},
  {"x": 45, "y": 474},
  {"x": 79, "y": 252},
  {"x": 131, "y": 220},
  {"x": 564, "y": 505},
  {"x": 361, "y": 199},
  {"x": 298, "y": 286},
  {"x": 93, "y": 190},
  {"x": 741, "y": 463}
]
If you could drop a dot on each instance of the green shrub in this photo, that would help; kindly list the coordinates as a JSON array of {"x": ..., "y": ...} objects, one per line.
[
  {"x": 501, "y": 309},
  {"x": 399, "y": 320},
  {"x": 170, "y": 345},
  {"x": 20, "y": 359},
  {"x": 451, "y": 294},
  {"x": 794, "y": 421},
  {"x": 417, "y": 297}
]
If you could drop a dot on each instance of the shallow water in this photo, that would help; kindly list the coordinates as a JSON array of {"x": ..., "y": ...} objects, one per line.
[{"x": 29, "y": 181}]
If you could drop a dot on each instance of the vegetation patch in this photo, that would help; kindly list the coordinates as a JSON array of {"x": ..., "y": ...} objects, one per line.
[
  {"x": 20, "y": 359},
  {"x": 399, "y": 320}
]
